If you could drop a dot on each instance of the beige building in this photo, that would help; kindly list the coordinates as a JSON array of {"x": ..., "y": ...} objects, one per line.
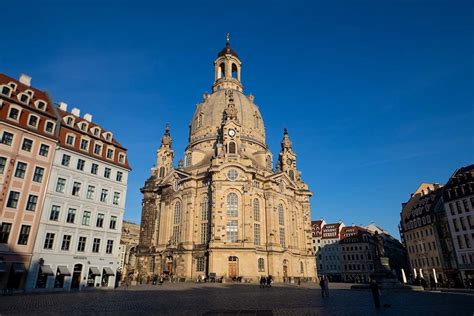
[
  {"x": 28, "y": 137},
  {"x": 225, "y": 211},
  {"x": 128, "y": 243}
]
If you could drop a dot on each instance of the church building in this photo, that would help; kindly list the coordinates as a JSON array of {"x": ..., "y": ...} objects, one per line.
[{"x": 226, "y": 211}]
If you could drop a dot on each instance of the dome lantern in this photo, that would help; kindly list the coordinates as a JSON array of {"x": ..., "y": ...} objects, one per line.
[{"x": 227, "y": 69}]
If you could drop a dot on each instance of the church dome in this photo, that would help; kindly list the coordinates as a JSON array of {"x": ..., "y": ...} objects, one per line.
[{"x": 209, "y": 115}]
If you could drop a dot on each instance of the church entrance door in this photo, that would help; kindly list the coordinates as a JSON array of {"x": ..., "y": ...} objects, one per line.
[
  {"x": 233, "y": 267},
  {"x": 170, "y": 267}
]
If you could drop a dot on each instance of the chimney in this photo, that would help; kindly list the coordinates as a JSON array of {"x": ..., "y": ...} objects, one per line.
[
  {"x": 25, "y": 79},
  {"x": 63, "y": 106},
  {"x": 88, "y": 117},
  {"x": 76, "y": 112}
]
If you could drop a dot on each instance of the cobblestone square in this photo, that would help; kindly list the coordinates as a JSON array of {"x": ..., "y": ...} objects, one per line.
[{"x": 233, "y": 299}]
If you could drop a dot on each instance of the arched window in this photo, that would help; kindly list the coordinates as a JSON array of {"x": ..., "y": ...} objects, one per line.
[
  {"x": 292, "y": 175},
  {"x": 232, "y": 149},
  {"x": 199, "y": 120},
  {"x": 256, "y": 210},
  {"x": 301, "y": 267},
  {"x": 162, "y": 172},
  {"x": 177, "y": 213},
  {"x": 188, "y": 159},
  {"x": 233, "y": 258},
  {"x": 269, "y": 162},
  {"x": 232, "y": 205},
  {"x": 281, "y": 214},
  {"x": 205, "y": 209},
  {"x": 261, "y": 265},
  {"x": 234, "y": 71},
  {"x": 221, "y": 71}
]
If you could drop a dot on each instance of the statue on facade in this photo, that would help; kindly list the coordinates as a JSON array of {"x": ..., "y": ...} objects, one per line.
[{"x": 378, "y": 241}]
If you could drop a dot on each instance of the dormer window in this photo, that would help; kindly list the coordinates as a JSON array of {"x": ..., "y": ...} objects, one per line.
[
  {"x": 33, "y": 121},
  {"x": 24, "y": 98},
  {"x": 6, "y": 90},
  {"x": 83, "y": 127},
  {"x": 41, "y": 105},
  {"x": 108, "y": 136},
  {"x": 14, "y": 114},
  {"x": 29, "y": 92},
  {"x": 69, "y": 121},
  {"x": 96, "y": 131},
  {"x": 12, "y": 85},
  {"x": 49, "y": 128}
]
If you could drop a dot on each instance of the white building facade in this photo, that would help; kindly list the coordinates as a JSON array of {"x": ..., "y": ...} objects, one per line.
[{"x": 81, "y": 223}]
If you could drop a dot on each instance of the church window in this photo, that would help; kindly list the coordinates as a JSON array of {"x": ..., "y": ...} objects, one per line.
[
  {"x": 232, "y": 205},
  {"x": 221, "y": 71},
  {"x": 234, "y": 71},
  {"x": 256, "y": 120},
  {"x": 232, "y": 148},
  {"x": 256, "y": 234},
  {"x": 261, "y": 265},
  {"x": 292, "y": 175},
  {"x": 301, "y": 267},
  {"x": 204, "y": 233},
  {"x": 162, "y": 172},
  {"x": 188, "y": 159},
  {"x": 232, "y": 174},
  {"x": 175, "y": 237},
  {"x": 177, "y": 213},
  {"x": 256, "y": 210},
  {"x": 199, "y": 120},
  {"x": 281, "y": 214},
  {"x": 200, "y": 264},
  {"x": 205, "y": 209},
  {"x": 231, "y": 230},
  {"x": 282, "y": 237},
  {"x": 269, "y": 162}
]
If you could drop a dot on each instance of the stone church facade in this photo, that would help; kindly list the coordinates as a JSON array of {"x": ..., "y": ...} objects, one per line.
[{"x": 225, "y": 210}]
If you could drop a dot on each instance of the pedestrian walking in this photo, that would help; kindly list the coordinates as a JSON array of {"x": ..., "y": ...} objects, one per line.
[
  {"x": 374, "y": 287},
  {"x": 326, "y": 286},
  {"x": 263, "y": 282},
  {"x": 269, "y": 281}
]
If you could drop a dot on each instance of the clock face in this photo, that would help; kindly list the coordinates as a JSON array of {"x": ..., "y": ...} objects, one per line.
[
  {"x": 289, "y": 161},
  {"x": 231, "y": 132}
]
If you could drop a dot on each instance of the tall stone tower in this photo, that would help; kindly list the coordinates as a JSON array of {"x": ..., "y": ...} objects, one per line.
[{"x": 225, "y": 211}]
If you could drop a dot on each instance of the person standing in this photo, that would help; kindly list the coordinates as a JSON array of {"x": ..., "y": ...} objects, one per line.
[
  {"x": 326, "y": 286},
  {"x": 321, "y": 285},
  {"x": 374, "y": 287}
]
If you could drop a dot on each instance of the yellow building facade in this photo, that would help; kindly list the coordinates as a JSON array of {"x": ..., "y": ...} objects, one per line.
[{"x": 226, "y": 211}]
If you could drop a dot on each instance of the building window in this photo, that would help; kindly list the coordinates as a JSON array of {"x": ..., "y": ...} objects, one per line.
[
  {"x": 49, "y": 241},
  {"x": 96, "y": 245},
  {"x": 100, "y": 220},
  {"x": 113, "y": 222},
  {"x": 3, "y": 163},
  {"x": 13, "y": 199},
  {"x": 466, "y": 206},
  {"x": 110, "y": 247},
  {"x": 31, "y": 203},
  {"x": 54, "y": 215},
  {"x": 90, "y": 192},
  {"x": 44, "y": 150},
  {"x": 70, "y": 140},
  {"x": 232, "y": 231},
  {"x": 33, "y": 121},
  {"x": 188, "y": 160},
  {"x": 116, "y": 200},
  {"x": 41, "y": 105},
  {"x": 27, "y": 145},
  {"x": 38, "y": 175},
  {"x": 49, "y": 127},
  {"x": 94, "y": 168},
  {"x": 24, "y": 234},
  {"x": 177, "y": 213},
  {"x": 80, "y": 164},
  {"x": 60, "y": 185},
  {"x": 204, "y": 233},
  {"x": 110, "y": 153},
  {"x": 6, "y": 90},
  {"x": 84, "y": 144},
  {"x": 200, "y": 264},
  {"x": 232, "y": 175},
  {"x": 76, "y": 189},
  {"x": 281, "y": 214},
  {"x": 66, "y": 160},
  {"x": 458, "y": 206},
  {"x": 301, "y": 267},
  {"x": 86, "y": 218},
  {"x": 176, "y": 233},
  {"x": 162, "y": 172},
  {"x": 14, "y": 114},
  {"x": 256, "y": 210},
  {"x": 261, "y": 265},
  {"x": 107, "y": 172},
  {"x": 24, "y": 98},
  {"x": 121, "y": 158},
  {"x": 205, "y": 209},
  {"x": 81, "y": 245},
  {"x": 7, "y": 138},
  {"x": 20, "y": 170},
  {"x": 282, "y": 237},
  {"x": 103, "y": 195},
  {"x": 232, "y": 148},
  {"x": 5, "y": 229},
  {"x": 83, "y": 127},
  {"x": 97, "y": 149},
  {"x": 66, "y": 242},
  {"x": 71, "y": 215},
  {"x": 232, "y": 205},
  {"x": 119, "y": 176},
  {"x": 256, "y": 234}
]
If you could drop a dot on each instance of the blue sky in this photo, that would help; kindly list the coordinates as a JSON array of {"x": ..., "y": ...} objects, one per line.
[{"x": 377, "y": 96}]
